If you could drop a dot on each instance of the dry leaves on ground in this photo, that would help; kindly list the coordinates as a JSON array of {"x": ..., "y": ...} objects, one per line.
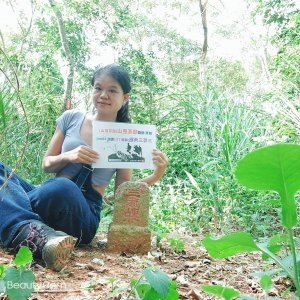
[{"x": 92, "y": 273}]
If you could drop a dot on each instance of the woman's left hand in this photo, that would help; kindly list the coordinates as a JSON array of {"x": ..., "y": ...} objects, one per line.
[{"x": 160, "y": 161}]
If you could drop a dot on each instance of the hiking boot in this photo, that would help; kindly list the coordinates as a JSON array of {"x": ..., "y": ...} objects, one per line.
[{"x": 54, "y": 247}]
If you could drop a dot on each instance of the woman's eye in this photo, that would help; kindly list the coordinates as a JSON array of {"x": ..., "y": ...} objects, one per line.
[{"x": 97, "y": 89}]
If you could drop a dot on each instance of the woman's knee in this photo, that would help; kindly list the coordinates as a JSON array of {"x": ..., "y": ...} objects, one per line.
[
  {"x": 59, "y": 188},
  {"x": 56, "y": 192}
]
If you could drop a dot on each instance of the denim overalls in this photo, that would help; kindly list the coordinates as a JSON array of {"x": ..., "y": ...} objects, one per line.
[{"x": 71, "y": 206}]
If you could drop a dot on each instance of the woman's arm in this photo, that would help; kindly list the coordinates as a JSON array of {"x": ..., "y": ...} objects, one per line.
[
  {"x": 160, "y": 161},
  {"x": 54, "y": 160},
  {"x": 122, "y": 176}
]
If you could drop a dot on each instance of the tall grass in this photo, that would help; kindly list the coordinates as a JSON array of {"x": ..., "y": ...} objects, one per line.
[
  {"x": 205, "y": 135},
  {"x": 27, "y": 121}
]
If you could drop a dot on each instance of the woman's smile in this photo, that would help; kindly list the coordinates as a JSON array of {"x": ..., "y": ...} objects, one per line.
[{"x": 103, "y": 103}]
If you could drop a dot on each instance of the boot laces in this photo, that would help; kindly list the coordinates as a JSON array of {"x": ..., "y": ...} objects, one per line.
[{"x": 35, "y": 239}]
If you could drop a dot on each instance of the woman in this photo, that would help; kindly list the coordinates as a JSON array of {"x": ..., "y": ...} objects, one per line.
[{"x": 50, "y": 218}]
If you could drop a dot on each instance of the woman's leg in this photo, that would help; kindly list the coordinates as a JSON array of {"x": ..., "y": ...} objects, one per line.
[
  {"x": 19, "y": 225},
  {"x": 62, "y": 206},
  {"x": 15, "y": 208}
]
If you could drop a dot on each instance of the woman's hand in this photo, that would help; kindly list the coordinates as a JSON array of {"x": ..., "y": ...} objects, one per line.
[
  {"x": 160, "y": 162},
  {"x": 81, "y": 154},
  {"x": 54, "y": 161}
]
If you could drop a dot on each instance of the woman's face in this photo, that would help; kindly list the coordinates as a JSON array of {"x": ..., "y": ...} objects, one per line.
[{"x": 108, "y": 97}]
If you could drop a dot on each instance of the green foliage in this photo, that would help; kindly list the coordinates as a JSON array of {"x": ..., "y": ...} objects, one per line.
[
  {"x": 144, "y": 102},
  {"x": 49, "y": 39},
  {"x": 204, "y": 135},
  {"x": 159, "y": 280},
  {"x": 176, "y": 244},
  {"x": 23, "y": 257},
  {"x": 158, "y": 286},
  {"x": 271, "y": 168},
  {"x": 17, "y": 282},
  {"x": 221, "y": 291},
  {"x": 284, "y": 15},
  {"x": 266, "y": 282},
  {"x": 204, "y": 132},
  {"x": 274, "y": 168},
  {"x": 229, "y": 245},
  {"x": 234, "y": 79}
]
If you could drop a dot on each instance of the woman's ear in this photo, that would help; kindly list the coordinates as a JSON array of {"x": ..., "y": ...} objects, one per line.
[{"x": 126, "y": 98}]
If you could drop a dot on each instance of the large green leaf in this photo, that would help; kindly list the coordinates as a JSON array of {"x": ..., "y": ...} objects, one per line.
[
  {"x": 159, "y": 280},
  {"x": 229, "y": 245},
  {"x": 221, "y": 291},
  {"x": 276, "y": 168},
  {"x": 19, "y": 284}
]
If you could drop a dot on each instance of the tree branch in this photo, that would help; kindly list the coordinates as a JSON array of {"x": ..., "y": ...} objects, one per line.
[
  {"x": 70, "y": 62},
  {"x": 203, "y": 6}
]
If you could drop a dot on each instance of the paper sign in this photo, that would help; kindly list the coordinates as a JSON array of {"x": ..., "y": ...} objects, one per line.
[{"x": 124, "y": 145}]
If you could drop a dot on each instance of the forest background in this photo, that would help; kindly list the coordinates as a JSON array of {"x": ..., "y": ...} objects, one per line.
[{"x": 217, "y": 78}]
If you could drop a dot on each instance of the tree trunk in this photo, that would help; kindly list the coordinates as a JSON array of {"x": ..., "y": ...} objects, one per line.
[
  {"x": 203, "y": 9},
  {"x": 203, "y": 6},
  {"x": 70, "y": 63}
]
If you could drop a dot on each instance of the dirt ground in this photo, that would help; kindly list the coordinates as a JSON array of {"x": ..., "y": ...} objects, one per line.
[{"x": 92, "y": 273}]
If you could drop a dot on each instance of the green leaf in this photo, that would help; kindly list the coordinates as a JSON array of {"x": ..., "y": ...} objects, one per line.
[
  {"x": 19, "y": 284},
  {"x": 288, "y": 261},
  {"x": 230, "y": 245},
  {"x": 2, "y": 286},
  {"x": 111, "y": 279},
  {"x": 266, "y": 282},
  {"x": 220, "y": 291},
  {"x": 159, "y": 280},
  {"x": 263, "y": 248},
  {"x": 192, "y": 180},
  {"x": 2, "y": 273},
  {"x": 142, "y": 289},
  {"x": 176, "y": 244},
  {"x": 173, "y": 294},
  {"x": 276, "y": 168},
  {"x": 23, "y": 257},
  {"x": 2, "y": 269},
  {"x": 152, "y": 294},
  {"x": 268, "y": 273},
  {"x": 275, "y": 244}
]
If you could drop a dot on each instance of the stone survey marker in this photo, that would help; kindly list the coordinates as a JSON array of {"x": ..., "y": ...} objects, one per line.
[{"x": 129, "y": 231}]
